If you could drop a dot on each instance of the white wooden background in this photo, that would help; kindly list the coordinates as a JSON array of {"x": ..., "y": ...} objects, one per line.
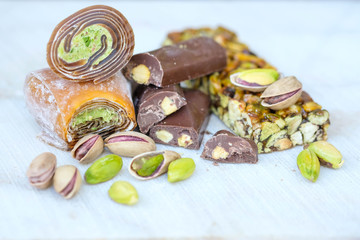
[{"x": 319, "y": 42}]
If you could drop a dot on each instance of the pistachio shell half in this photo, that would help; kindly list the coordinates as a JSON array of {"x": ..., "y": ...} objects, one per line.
[
  {"x": 88, "y": 148},
  {"x": 129, "y": 144},
  {"x": 282, "y": 94},
  {"x": 42, "y": 170},
  {"x": 254, "y": 80},
  {"x": 140, "y": 164},
  {"x": 67, "y": 181}
]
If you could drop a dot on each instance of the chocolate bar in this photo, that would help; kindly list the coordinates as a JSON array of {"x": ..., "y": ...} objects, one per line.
[
  {"x": 272, "y": 130},
  {"x": 228, "y": 148},
  {"x": 184, "y": 128},
  {"x": 172, "y": 64},
  {"x": 153, "y": 104}
]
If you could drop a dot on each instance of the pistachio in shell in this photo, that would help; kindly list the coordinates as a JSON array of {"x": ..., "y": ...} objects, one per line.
[
  {"x": 67, "y": 181},
  {"x": 151, "y": 164},
  {"x": 41, "y": 170},
  {"x": 254, "y": 80},
  {"x": 282, "y": 94},
  {"x": 88, "y": 148},
  {"x": 129, "y": 144},
  {"x": 104, "y": 169}
]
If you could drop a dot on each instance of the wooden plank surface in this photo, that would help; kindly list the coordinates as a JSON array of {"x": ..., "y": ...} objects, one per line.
[{"x": 316, "y": 41}]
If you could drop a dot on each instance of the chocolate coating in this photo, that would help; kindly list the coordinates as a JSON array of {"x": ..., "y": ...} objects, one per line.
[
  {"x": 150, "y": 103},
  {"x": 188, "y": 124},
  {"x": 238, "y": 149},
  {"x": 186, "y": 60}
]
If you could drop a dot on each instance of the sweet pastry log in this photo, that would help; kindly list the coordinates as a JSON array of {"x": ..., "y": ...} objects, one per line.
[
  {"x": 67, "y": 111},
  {"x": 91, "y": 45},
  {"x": 272, "y": 130}
]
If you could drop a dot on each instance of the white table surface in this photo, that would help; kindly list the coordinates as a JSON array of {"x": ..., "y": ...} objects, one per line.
[{"x": 319, "y": 42}]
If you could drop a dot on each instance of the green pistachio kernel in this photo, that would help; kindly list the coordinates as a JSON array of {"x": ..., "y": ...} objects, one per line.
[
  {"x": 150, "y": 165},
  {"x": 180, "y": 169},
  {"x": 103, "y": 169},
  {"x": 259, "y": 76},
  {"x": 124, "y": 193},
  {"x": 328, "y": 155},
  {"x": 309, "y": 165}
]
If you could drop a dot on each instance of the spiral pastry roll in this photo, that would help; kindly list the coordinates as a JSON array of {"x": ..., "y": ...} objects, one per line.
[
  {"x": 67, "y": 111},
  {"x": 90, "y": 45}
]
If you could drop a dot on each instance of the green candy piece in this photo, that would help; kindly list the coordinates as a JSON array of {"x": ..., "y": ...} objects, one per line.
[
  {"x": 103, "y": 169},
  {"x": 124, "y": 193},
  {"x": 180, "y": 169},
  {"x": 150, "y": 165},
  {"x": 309, "y": 165},
  {"x": 328, "y": 155}
]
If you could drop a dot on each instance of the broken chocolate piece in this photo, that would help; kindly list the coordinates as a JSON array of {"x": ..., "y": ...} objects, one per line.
[
  {"x": 172, "y": 64},
  {"x": 153, "y": 104},
  {"x": 228, "y": 148},
  {"x": 186, "y": 127}
]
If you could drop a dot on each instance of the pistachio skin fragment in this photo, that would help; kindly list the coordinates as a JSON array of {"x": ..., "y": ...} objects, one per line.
[
  {"x": 328, "y": 155},
  {"x": 309, "y": 165},
  {"x": 103, "y": 169},
  {"x": 181, "y": 169},
  {"x": 124, "y": 193},
  {"x": 150, "y": 165}
]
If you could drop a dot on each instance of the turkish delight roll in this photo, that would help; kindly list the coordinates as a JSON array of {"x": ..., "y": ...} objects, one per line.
[
  {"x": 67, "y": 111},
  {"x": 91, "y": 45}
]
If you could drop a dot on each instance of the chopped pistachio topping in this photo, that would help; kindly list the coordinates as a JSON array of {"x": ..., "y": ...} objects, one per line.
[
  {"x": 85, "y": 44},
  {"x": 104, "y": 115},
  {"x": 150, "y": 165}
]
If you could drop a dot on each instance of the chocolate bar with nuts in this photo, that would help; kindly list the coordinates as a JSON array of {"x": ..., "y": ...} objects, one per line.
[
  {"x": 172, "y": 64},
  {"x": 228, "y": 148},
  {"x": 186, "y": 127},
  {"x": 153, "y": 104},
  {"x": 272, "y": 130}
]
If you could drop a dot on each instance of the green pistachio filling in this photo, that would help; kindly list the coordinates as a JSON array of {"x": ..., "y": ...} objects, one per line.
[
  {"x": 104, "y": 115},
  {"x": 85, "y": 44},
  {"x": 150, "y": 165}
]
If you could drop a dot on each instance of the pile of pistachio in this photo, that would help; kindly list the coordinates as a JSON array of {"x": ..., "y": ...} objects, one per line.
[
  {"x": 146, "y": 164},
  {"x": 316, "y": 154}
]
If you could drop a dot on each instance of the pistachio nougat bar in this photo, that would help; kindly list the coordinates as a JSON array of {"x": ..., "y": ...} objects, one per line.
[{"x": 303, "y": 122}]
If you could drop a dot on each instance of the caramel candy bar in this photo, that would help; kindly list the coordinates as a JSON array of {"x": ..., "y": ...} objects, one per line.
[
  {"x": 172, "y": 64},
  {"x": 227, "y": 148},
  {"x": 154, "y": 104},
  {"x": 184, "y": 128}
]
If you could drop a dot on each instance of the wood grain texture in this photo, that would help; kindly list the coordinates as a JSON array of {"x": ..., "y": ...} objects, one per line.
[{"x": 316, "y": 41}]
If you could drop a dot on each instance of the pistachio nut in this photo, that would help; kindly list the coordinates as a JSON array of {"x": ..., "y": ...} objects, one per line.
[
  {"x": 41, "y": 170},
  {"x": 103, "y": 169},
  {"x": 67, "y": 181},
  {"x": 181, "y": 169},
  {"x": 309, "y": 165},
  {"x": 124, "y": 193},
  {"x": 88, "y": 148},
  {"x": 282, "y": 94},
  {"x": 328, "y": 155},
  {"x": 129, "y": 144},
  {"x": 151, "y": 164},
  {"x": 254, "y": 80}
]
